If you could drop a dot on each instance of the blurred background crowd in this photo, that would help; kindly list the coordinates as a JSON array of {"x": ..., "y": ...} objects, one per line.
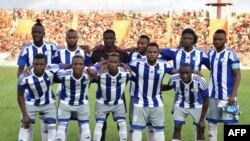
[{"x": 165, "y": 28}]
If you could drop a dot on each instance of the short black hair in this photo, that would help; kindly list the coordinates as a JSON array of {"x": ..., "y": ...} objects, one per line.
[
  {"x": 218, "y": 31},
  {"x": 185, "y": 65},
  {"x": 71, "y": 30},
  {"x": 39, "y": 56},
  {"x": 38, "y": 23},
  {"x": 114, "y": 54},
  {"x": 153, "y": 44},
  {"x": 145, "y": 37},
  {"x": 109, "y": 31},
  {"x": 78, "y": 55},
  {"x": 190, "y": 31}
]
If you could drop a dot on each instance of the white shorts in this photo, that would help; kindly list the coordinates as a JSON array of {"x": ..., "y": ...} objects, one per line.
[
  {"x": 143, "y": 115},
  {"x": 180, "y": 115},
  {"x": 65, "y": 110},
  {"x": 216, "y": 114},
  {"x": 118, "y": 111},
  {"x": 49, "y": 111}
]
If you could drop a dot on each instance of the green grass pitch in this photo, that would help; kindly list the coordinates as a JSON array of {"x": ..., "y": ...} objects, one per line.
[{"x": 10, "y": 113}]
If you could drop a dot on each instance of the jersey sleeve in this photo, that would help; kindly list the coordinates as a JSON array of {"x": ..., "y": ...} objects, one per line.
[
  {"x": 234, "y": 60},
  {"x": 54, "y": 50},
  {"x": 134, "y": 66},
  {"x": 87, "y": 60},
  {"x": 205, "y": 59},
  {"x": 94, "y": 57},
  {"x": 23, "y": 57},
  {"x": 60, "y": 74},
  {"x": 56, "y": 58},
  {"x": 171, "y": 81},
  {"x": 168, "y": 53},
  {"x": 203, "y": 87},
  {"x": 53, "y": 68},
  {"x": 125, "y": 58},
  {"x": 21, "y": 83},
  {"x": 168, "y": 67}
]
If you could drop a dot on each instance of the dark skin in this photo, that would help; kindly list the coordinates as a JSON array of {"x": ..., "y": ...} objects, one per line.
[
  {"x": 39, "y": 68},
  {"x": 152, "y": 54},
  {"x": 142, "y": 45},
  {"x": 185, "y": 74},
  {"x": 109, "y": 42},
  {"x": 219, "y": 41},
  {"x": 71, "y": 39},
  {"x": 77, "y": 66},
  {"x": 38, "y": 34},
  {"x": 187, "y": 41},
  {"x": 113, "y": 64}
]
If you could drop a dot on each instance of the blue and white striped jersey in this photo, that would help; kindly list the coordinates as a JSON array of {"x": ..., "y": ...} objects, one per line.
[
  {"x": 148, "y": 82},
  {"x": 222, "y": 76},
  {"x": 65, "y": 56},
  {"x": 133, "y": 57},
  {"x": 189, "y": 95},
  {"x": 110, "y": 88},
  {"x": 74, "y": 91},
  {"x": 136, "y": 55},
  {"x": 28, "y": 51},
  {"x": 39, "y": 89},
  {"x": 196, "y": 58}
]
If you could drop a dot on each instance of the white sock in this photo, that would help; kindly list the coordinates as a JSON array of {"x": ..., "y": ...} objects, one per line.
[
  {"x": 61, "y": 131},
  {"x": 31, "y": 129},
  {"x": 212, "y": 132},
  {"x": 130, "y": 132},
  {"x": 98, "y": 131},
  {"x": 176, "y": 140},
  {"x": 195, "y": 132},
  {"x": 150, "y": 134},
  {"x": 23, "y": 135},
  {"x": 85, "y": 132},
  {"x": 44, "y": 129},
  {"x": 136, "y": 136},
  {"x": 159, "y": 136},
  {"x": 200, "y": 140},
  {"x": 79, "y": 130},
  {"x": 51, "y": 132},
  {"x": 122, "y": 131}
]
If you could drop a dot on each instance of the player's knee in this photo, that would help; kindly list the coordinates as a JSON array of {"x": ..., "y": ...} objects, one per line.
[
  {"x": 159, "y": 135},
  {"x": 122, "y": 125}
]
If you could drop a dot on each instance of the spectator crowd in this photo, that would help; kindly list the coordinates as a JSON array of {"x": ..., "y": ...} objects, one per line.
[{"x": 164, "y": 28}]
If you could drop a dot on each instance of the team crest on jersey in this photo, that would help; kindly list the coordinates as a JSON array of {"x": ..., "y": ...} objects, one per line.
[
  {"x": 195, "y": 58},
  {"x": 85, "y": 82},
  {"x": 222, "y": 59},
  {"x": 194, "y": 90},
  {"x": 121, "y": 80},
  {"x": 49, "y": 78},
  {"x": 47, "y": 52},
  {"x": 159, "y": 71}
]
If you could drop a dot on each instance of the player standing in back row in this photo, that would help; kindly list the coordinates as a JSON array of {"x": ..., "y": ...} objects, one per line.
[
  {"x": 26, "y": 58},
  {"x": 224, "y": 83}
]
